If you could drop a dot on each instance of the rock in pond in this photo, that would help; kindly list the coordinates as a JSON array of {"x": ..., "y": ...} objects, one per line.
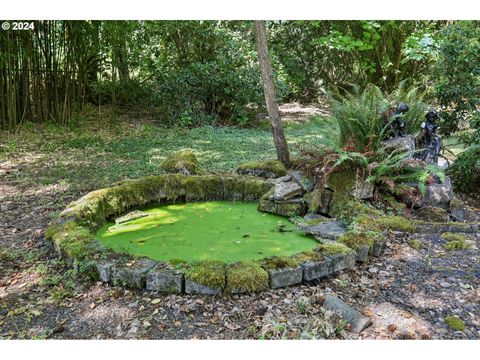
[
  {"x": 132, "y": 215},
  {"x": 331, "y": 230}
]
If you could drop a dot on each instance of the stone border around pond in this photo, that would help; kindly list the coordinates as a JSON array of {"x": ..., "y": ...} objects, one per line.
[{"x": 72, "y": 234}]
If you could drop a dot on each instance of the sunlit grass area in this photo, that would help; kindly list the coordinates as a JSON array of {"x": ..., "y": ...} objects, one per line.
[{"x": 96, "y": 151}]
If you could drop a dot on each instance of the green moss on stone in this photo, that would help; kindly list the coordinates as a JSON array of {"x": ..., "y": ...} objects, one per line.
[
  {"x": 415, "y": 244},
  {"x": 393, "y": 223},
  {"x": 333, "y": 249},
  {"x": 183, "y": 161},
  {"x": 75, "y": 242},
  {"x": 307, "y": 256},
  {"x": 279, "y": 262},
  {"x": 454, "y": 323},
  {"x": 246, "y": 276},
  {"x": 274, "y": 167},
  {"x": 354, "y": 239},
  {"x": 209, "y": 273}
]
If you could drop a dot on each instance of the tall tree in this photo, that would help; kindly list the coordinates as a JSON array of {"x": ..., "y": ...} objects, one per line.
[{"x": 270, "y": 93}]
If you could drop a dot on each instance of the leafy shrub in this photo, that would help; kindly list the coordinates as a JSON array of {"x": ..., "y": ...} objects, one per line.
[
  {"x": 458, "y": 75},
  {"x": 466, "y": 170}
]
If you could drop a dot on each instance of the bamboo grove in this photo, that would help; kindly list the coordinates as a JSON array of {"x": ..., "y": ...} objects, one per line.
[{"x": 48, "y": 72}]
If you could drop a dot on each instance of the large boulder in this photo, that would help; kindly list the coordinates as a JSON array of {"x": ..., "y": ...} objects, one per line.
[
  {"x": 183, "y": 161},
  {"x": 319, "y": 201},
  {"x": 438, "y": 194},
  {"x": 268, "y": 169},
  {"x": 403, "y": 144}
]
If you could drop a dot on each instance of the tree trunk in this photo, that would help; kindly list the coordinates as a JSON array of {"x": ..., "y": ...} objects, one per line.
[{"x": 270, "y": 93}]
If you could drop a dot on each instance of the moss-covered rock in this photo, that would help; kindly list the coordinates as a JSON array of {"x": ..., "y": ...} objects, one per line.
[
  {"x": 392, "y": 223},
  {"x": 246, "y": 276},
  {"x": 209, "y": 273},
  {"x": 279, "y": 262},
  {"x": 266, "y": 169},
  {"x": 183, "y": 161},
  {"x": 333, "y": 249},
  {"x": 432, "y": 213},
  {"x": 319, "y": 201},
  {"x": 355, "y": 239},
  {"x": 289, "y": 208}
]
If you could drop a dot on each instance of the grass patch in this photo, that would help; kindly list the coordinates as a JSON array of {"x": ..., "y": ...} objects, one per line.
[{"x": 105, "y": 148}]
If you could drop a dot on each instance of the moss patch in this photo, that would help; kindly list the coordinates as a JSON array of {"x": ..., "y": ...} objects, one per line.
[
  {"x": 307, "y": 256},
  {"x": 415, "y": 244},
  {"x": 393, "y": 223},
  {"x": 353, "y": 239},
  {"x": 183, "y": 161},
  {"x": 454, "y": 323},
  {"x": 333, "y": 249},
  {"x": 246, "y": 276},
  {"x": 279, "y": 262},
  {"x": 454, "y": 241},
  {"x": 209, "y": 273},
  {"x": 268, "y": 168}
]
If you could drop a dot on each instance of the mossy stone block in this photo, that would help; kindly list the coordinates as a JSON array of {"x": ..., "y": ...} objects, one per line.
[
  {"x": 192, "y": 287},
  {"x": 317, "y": 269},
  {"x": 285, "y": 277},
  {"x": 132, "y": 274},
  {"x": 104, "y": 269},
  {"x": 362, "y": 252},
  {"x": 379, "y": 246},
  {"x": 164, "y": 280}
]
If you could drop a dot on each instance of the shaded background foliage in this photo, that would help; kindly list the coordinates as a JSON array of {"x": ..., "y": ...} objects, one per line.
[{"x": 195, "y": 73}]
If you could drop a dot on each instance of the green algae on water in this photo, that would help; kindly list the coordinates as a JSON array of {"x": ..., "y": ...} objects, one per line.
[{"x": 214, "y": 230}]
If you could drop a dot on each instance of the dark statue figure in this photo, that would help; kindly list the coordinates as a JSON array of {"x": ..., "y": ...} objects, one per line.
[
  {"x": 394, "y": 123},
  {"x": 428, "y": 142}
]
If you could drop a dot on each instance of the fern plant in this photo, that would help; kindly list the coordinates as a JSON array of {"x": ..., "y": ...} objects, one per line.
[{"x": 359, "y": 114}]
